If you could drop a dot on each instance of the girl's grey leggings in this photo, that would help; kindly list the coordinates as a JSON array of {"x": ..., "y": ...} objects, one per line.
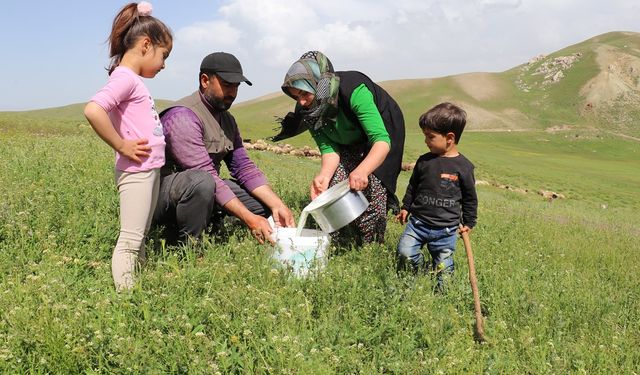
[{"x": 138, "y": 196}]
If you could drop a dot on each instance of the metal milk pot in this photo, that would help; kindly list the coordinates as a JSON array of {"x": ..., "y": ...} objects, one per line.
[{"x": 337, "y": 207}]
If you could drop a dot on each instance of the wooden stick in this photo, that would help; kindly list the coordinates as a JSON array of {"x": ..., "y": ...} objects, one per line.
[{"x": 479, "y": 333}]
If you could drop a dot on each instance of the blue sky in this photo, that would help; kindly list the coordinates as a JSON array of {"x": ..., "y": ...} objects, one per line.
[{"x": 54, "y": 52}]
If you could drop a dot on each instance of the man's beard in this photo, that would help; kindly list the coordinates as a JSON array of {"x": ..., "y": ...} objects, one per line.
[{"x": 216, "y": 103}]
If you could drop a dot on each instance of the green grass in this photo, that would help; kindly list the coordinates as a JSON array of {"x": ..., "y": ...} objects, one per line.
[
  {"x": 558, "y": 280},
  {"x": 558, "y": 283},
  {"x": 593, "y": 169},
  {"x": 589, "y": 167}
]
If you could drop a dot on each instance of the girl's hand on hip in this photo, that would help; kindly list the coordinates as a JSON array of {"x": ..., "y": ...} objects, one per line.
[
  {"x": 358, "y": 181},
  {"x": 135, "y": 149}
]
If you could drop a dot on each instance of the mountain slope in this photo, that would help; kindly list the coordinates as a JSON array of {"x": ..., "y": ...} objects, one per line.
[{"x": 590, "y": 86}]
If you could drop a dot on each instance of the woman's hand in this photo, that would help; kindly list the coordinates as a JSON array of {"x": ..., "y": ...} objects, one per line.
[
  {"x": 328, "y": 167},
  {"x": 319, "y": 184},
  {"x": 358, "y": 180},
  {"x": 283, "y": 217}
]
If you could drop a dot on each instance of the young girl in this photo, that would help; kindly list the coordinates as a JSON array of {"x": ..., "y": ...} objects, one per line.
[{"x": 124, "y": 116}]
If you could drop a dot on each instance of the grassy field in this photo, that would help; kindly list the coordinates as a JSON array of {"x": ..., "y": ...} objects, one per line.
[{"x": 558, "y": 280}]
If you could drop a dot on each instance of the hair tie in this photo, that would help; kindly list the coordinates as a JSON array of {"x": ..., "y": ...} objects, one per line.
[{"x": 144, "y": 8}]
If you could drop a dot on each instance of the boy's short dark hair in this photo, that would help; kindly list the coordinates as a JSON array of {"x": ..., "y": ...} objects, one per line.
[{"x": 444, "y": 118}]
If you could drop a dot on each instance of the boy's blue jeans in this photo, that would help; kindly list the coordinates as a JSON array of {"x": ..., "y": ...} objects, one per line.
[{"x": 440, "y": 241}]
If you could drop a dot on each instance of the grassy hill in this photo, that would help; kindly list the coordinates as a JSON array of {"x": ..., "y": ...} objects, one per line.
[
  {"x": 578, "y": 134},
  {"x": 593, "y": 77},
  {"x": 566, "y": 122},
  {"x": 68, "y": 119},
  {"x": 597, "y": 88}
]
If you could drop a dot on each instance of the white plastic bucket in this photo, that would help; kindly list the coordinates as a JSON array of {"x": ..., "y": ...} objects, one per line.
[{"x": 304, "y": 253}]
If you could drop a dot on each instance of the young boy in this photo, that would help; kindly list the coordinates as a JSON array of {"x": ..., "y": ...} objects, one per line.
[{"x": 441, "y": 194}]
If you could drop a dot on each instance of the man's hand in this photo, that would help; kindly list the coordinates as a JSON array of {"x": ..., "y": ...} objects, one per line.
[
  {"x": 402, "y": 216},
  {"x": 282, "y": 215},
  {"x": 260, "y": 228}
]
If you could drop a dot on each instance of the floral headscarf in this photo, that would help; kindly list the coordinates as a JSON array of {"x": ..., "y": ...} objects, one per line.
[{"x": 313, "y": 73}]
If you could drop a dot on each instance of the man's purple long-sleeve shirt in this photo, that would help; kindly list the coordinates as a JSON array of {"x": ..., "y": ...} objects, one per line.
[{"x": 185, "y": 145}]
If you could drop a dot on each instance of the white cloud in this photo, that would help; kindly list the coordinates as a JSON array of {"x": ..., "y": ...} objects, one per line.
[
  {"x": 343, "y": 39},
  {"x": 386, "y": 39},
  {"x": 190, "y": 45},
  {"x": 498, "y": 4},
  {"x": 214, "y": 32},
  {"x": 393, "y": 39}
]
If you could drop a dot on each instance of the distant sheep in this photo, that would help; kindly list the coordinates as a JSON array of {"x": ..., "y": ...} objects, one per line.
[{"x": 281, "y": 149}]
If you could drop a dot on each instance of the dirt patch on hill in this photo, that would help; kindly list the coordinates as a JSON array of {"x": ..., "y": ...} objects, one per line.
[
  {"x": 627, "y": 136},
  {"x": 559, "y": 128},
  {"x": 613, "y": 96},
  {"x": 480, "y": 86},
  {"x": 619, "y": 75},
  {"x": 395, "y": 87},
  {"x": 481, "y": 119}
]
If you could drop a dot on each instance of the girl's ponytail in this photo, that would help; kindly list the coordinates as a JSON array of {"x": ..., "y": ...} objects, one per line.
[{"x": 132, "y": 22}]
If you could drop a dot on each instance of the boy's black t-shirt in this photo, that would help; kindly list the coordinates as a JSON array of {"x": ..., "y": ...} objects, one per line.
[{"x": 442, "y": 190}]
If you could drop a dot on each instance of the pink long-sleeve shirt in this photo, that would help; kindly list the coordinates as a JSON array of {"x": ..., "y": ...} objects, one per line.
[{"x": 133, "y": 113}]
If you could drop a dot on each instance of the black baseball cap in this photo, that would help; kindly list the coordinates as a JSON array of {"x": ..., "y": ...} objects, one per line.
[{"x": 224, "y": 65}]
